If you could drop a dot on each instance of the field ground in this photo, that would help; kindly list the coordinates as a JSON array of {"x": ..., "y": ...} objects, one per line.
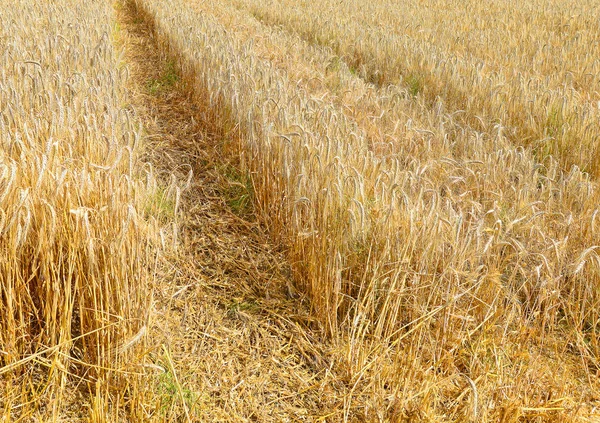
[{"x": 271, "y": 214}]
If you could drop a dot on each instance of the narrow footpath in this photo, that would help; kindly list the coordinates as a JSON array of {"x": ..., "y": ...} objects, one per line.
[{"x": 231, "y": 338}]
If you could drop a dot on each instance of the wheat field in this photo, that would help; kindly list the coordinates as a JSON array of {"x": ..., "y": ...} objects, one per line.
[
  {"x": 423, "y": 176},
  {"x": 75, "y": 254}
]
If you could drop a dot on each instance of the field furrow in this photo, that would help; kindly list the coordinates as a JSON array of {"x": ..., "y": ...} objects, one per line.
[{"x": 237, "y": 335}]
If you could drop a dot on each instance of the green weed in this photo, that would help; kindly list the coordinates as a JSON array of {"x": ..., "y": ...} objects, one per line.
[
  {"x": 170, "y": 394},
  {"x": 415, "y": 84},
  {"x": 160, "y": 205},
  {"x": 239, "y": 192},
  {"x": 167, "y": 79},
  {"x": 249, "y": 306}
]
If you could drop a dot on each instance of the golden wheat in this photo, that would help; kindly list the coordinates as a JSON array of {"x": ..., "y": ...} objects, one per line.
[
  {"x": 429, "y": 268},
  {"x": 528, "y": 69},
  {"x": 425, "y": 186},
  {"x": 74, "y": 241}
]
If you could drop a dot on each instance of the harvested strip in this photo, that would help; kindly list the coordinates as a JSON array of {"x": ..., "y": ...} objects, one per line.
[{"x": 237, "y": 339}]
